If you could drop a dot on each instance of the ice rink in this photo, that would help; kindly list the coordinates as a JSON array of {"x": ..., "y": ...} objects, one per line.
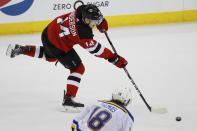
[{"x": 162, "y": 61}]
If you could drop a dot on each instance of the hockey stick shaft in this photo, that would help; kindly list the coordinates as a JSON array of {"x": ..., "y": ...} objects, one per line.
[{"x": 129, "y": 76}]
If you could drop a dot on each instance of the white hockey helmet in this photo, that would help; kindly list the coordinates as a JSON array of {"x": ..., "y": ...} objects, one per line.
[{"x": 122, "y": 95}]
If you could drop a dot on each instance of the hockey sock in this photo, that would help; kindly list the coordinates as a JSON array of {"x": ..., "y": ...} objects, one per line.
[
  {"x": 38, "y": 52},
  {"x": 74, "y": 79}
]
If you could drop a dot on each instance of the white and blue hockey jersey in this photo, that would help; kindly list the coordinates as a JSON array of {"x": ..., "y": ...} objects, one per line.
[{"x": 103, "y": 116}]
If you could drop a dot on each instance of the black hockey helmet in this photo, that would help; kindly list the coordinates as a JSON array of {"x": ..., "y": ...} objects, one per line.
[{"x": 91, "y": 12}]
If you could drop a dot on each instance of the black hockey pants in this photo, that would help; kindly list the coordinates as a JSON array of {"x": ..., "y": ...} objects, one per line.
[{"x": 70, "y": 60}]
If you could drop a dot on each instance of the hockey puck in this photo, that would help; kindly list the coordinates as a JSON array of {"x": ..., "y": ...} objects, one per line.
[{"x": 178, "y": 118}]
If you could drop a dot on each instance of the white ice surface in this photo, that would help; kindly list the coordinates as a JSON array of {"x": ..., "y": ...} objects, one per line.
[{"x": 162, "y": 61}]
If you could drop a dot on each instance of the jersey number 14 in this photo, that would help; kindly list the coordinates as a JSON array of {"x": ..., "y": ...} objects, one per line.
[{"x": 63, "y": 28}]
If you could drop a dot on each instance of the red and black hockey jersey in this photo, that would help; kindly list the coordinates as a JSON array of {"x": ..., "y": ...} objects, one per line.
[{"x": 67, "y": 30}]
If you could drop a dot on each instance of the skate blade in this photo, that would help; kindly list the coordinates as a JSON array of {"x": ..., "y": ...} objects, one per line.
[
  {"x": 9, "y": 50},
  {"x": 70, "y": 109}
]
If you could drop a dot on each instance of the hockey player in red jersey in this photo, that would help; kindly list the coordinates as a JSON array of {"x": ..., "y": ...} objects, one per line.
[{"x": 58, "y": 39}]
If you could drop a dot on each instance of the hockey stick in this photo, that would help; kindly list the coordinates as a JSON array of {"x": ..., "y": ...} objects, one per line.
[{"x": 151, "y": 109}]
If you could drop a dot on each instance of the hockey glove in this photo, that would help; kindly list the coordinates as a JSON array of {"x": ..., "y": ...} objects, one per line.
[
  {"x": 118, "y": 61},
  {"x": 103, "y": 26}
]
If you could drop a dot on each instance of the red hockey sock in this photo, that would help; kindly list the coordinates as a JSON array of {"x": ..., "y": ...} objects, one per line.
[
  {"x": 71, "y": 90},
  {"x": 38, "y": 52},
  {"x": 74, "y": 79},
  {"x": 31, "y": 51}
]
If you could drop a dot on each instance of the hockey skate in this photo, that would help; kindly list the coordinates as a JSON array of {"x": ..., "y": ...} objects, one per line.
[
  {"x": 70, "y": 105},
  {"x": 14, "y": 50}
]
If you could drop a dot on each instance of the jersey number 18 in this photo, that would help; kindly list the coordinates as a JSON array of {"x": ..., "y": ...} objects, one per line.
[{"x": 97, "y": 121}]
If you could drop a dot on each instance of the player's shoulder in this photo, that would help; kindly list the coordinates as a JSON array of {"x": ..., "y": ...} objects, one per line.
[{"x": 121, "y": 107}]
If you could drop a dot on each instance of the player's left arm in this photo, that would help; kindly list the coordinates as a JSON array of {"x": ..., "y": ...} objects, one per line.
[
  {"x": 96, "y": 49},
  {"x": 99, "y": 50}
]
